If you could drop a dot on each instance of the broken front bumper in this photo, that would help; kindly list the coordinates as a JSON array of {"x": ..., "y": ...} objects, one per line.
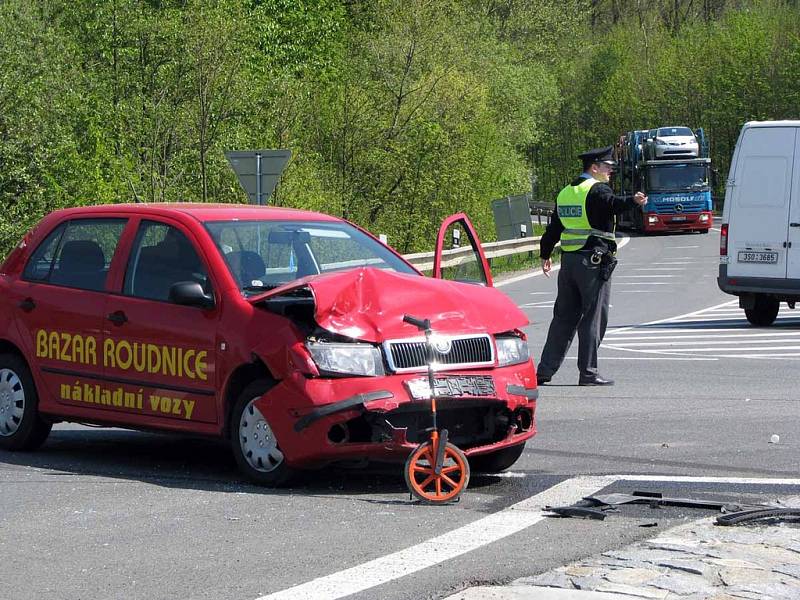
[{"x": 318, "y": 420}]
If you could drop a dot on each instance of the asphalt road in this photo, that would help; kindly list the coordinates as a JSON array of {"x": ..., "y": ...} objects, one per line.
[{"x": 104, "y": 513}]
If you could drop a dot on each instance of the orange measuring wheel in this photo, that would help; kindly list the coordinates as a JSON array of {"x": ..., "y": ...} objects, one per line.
[{"x": 422, "y": 478}]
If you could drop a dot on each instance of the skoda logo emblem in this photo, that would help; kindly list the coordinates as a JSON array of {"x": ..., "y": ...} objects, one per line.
[
  {"x": 442, "y": 345},
  {"x": 679, "y": 208}
]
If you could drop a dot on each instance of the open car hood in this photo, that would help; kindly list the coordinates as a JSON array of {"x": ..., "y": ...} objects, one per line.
[{"x": 368, "y": 304}]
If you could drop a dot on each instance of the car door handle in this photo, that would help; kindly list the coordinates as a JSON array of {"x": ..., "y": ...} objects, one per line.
[
  {"x": 118, "y": 317},
  {"x": 794, "y": 224},
  {"x": 27, "y": 305}
]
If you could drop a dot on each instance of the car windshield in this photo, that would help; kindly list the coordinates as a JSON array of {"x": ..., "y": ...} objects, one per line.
[
  {"x": 673, "y": 131},
  {"x": 677, "y": 177},
  {"x": 262, "y": 255}
]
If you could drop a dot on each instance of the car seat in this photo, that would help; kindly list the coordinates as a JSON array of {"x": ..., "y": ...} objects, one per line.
[
  {"x": 246, "y": 266},
  {"x": 82, "y": 265}
]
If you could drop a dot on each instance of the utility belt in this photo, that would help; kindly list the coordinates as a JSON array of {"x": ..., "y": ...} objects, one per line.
[{"x": 605, "y": 261}]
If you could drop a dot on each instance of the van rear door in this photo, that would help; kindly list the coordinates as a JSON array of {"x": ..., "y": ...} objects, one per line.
[
  {"x": 759, "y": 218},
  {"x": 793, "y": 255}
]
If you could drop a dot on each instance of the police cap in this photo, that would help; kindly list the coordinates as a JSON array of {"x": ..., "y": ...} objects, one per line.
[{"x": 599, "y": 155}]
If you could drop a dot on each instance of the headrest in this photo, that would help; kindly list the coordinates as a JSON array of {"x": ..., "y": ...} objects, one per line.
[{"x": 81, "y": 255}]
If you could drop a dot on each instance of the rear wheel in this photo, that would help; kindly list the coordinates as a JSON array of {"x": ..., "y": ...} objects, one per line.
[
  {"x": 253, "y": 441},
  {"x": 21, "y": 427},
  {"x": 497, "y": 461},
  {"x": 764, "y": 312}
]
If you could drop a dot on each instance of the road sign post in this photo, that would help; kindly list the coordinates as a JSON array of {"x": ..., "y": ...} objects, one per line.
[{"x": 258, "y": 171}]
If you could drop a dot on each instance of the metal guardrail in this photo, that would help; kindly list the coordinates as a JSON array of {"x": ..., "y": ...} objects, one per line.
[{"x": 456, "y": 256}]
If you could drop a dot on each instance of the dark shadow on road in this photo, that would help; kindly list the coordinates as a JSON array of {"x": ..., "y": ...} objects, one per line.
[{"x": 175, "y": 461}]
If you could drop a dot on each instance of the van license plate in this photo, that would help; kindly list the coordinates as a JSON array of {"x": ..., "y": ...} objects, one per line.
[{"x": 758, "y": 257}]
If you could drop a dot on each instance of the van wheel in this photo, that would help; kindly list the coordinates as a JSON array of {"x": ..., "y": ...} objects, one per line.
[
  {"x": 21, "y": 427},
  {"x": 253, "y": 441},
  {"x": 764, "y": 312},
  {"x": 497, "y": 461}
]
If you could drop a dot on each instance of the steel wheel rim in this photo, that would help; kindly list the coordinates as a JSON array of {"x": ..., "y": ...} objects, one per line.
[
  {"x": 12, "y": 402},
  {"x": 258, "y": 443}
]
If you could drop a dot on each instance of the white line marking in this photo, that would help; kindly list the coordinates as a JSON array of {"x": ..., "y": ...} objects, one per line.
[
  {"x": 487, "y": 530},
  {"x": 669, "y": 344},
  {"x": 669, "y": 319},
  {"x": 642, "y": 335},
  {"x": 660, "y": 269},
  {"x": 540, "y": 293},
  {"x": 454, "y": 543},
  {"x": 659, "y": 276},
  {"x": 641, "y": 283},
  {"x": 694, "y": 358}
]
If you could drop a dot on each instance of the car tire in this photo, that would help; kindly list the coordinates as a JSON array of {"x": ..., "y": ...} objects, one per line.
[
  {"x": 253, "y": 442},
  {"x": 764, "y": 312},
  {"x": 497, "y": 462},
  {"x": 21, "y": 426}
]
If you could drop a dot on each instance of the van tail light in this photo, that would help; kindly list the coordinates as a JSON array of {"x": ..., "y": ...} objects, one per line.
[{"x": 723, "y": 240}]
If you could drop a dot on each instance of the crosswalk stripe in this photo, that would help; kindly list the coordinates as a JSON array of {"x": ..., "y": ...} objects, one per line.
[{"x": 721, "y": 331}]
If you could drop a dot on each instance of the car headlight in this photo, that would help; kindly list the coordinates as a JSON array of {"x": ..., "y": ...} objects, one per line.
[
  {"x": 346, "y": 359},
  {"x": 511, "y": 350}
]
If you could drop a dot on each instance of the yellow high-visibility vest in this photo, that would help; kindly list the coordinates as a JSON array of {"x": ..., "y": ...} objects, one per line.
[{"x": 571, "y": 207}]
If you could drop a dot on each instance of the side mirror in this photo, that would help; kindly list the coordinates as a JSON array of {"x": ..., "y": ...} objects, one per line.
[{"x": 190, "y": 293}]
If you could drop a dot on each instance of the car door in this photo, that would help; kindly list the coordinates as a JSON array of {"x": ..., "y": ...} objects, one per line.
[
  {"x": 760, "y": 192},
  {"x": 459, "y": 255},
  {"x": 60, "y": 298},
  {"x": 162, "y": 355}
]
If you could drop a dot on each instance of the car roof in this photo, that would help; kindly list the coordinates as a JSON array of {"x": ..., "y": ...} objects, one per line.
[{"x": 202, "y": 212}]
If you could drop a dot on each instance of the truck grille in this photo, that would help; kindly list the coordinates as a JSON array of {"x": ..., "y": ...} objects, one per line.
[{"x": 464, "y": 351}]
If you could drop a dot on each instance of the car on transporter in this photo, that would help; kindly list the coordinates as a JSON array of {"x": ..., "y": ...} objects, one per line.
[{"x": 280, "y": 330}]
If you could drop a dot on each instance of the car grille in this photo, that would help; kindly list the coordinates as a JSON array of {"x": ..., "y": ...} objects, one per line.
[{"x": 465, "y": 351}]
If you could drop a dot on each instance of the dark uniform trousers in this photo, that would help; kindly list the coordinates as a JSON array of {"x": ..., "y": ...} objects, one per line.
[{"x": 582, "y": 306}]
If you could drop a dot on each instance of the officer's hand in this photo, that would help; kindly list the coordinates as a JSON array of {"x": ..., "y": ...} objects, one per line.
[
  {"x": 547, "y": 265},
  {"x": 640, "y": 198}
]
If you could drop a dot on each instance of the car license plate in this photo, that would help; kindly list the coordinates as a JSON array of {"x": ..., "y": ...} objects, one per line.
[
  {"x": 452, "y": 386},
  {"x": 758, "y": 257},
  {"x": 678, "y": 219}
]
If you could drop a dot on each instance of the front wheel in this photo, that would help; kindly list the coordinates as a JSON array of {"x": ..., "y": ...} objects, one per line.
[
  {"x": 428, "y": 486},
  {"x": 497, "y": 461},
  {"x": 21, "y": 427},
  {"x": 764, "y": 312},
  {"x": 253, "y": 442}
]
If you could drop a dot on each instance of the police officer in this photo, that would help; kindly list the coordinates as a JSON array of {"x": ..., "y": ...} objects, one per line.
[{"x": 584, "y": 222}]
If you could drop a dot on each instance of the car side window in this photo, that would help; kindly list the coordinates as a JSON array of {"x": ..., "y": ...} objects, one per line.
[
  {"x": 41, "y": 261},
  {"x": 76, "y": 254},
  {"x": 161, "y": 257}
]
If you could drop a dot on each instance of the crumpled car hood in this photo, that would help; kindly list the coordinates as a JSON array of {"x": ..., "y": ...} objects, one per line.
[{"x": 368, "y": 304}]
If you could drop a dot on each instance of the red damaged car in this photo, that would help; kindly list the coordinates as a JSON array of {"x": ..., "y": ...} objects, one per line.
[{"x": 280, "y": 330}]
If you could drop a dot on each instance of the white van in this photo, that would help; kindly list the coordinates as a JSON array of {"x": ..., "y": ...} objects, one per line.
[{"x": 760, "y": 239}]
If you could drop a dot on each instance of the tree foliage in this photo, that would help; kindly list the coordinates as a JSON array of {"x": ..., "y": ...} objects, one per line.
[{"x": 397, "y": 112}]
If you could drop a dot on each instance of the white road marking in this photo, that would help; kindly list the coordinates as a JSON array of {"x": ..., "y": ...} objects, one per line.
[
  {"x": 546, "y": 304},
  {"x": 721, "y": 332},
  {"x": 660, "y": 269},
  {"x": 659, "y": 276},
  {"x": 692, "y": 359},
  {"x": 447, "y": 546},
  {"x": 481, "y": 532},
  {"x": 641, "y": 283}
]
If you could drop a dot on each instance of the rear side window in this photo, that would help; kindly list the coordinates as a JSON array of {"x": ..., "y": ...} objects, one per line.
[
  {"x": 161, "y": 257},
  {"x": 77, "y": 254}
]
